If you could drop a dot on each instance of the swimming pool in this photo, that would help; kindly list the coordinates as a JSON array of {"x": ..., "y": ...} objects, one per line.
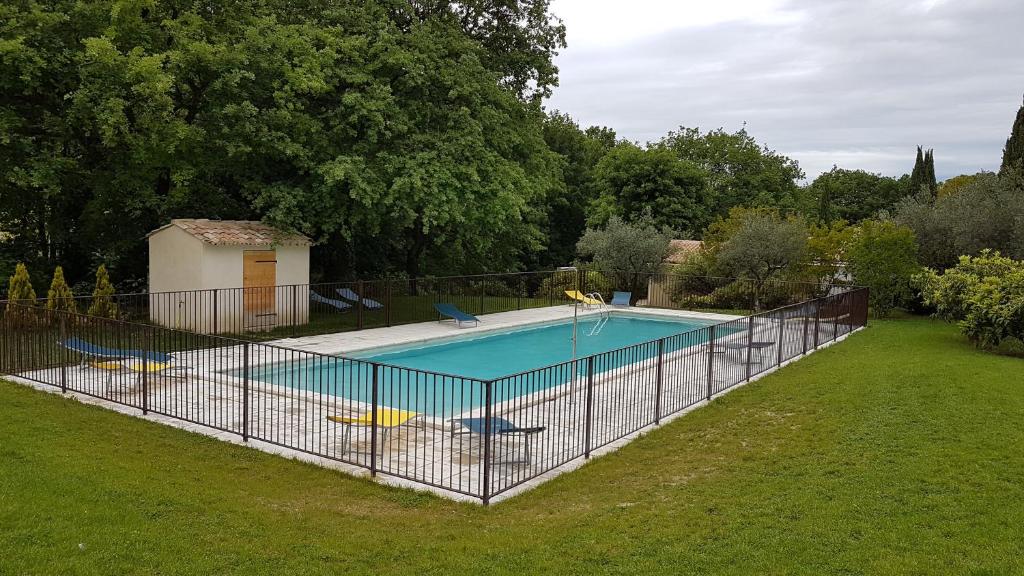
[{"x": 469, "y": 358}]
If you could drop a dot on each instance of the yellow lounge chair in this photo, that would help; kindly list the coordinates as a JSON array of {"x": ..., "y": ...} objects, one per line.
[
  {"x": 112, "y": 368},
  {"x": 387, "y": 419},
  {"x": 580, "y": 297}
]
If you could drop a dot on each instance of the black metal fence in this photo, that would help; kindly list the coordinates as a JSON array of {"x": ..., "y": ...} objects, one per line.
[
  {"x": 476, "y": 437},
  {"x": 267, "y": 313}
]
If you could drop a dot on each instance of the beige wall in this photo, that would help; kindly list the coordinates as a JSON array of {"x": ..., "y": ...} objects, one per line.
[
  {"x": 173, "y": 258},
  {"x": 181, "y": 262}
]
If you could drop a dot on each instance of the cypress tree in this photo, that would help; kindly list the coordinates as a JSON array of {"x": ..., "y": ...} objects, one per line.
[
  {"x": 102, "y": 297},
  {"x": 19, "y": 295},
  {"x": 929, "y": 173},
  {"x": 59, "y": 296},
  {"x": 1013, "y": 153},
  {"x": 917, "y": 175}
]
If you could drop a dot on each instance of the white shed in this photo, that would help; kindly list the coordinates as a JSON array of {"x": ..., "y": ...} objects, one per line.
[{"x": 227, "y": 276}]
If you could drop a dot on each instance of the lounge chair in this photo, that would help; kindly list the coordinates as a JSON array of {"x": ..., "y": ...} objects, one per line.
[
  {"x": 580, "y": 297},
  {"x": 452, "y": 311},
  {"x": 499, "y": 427},
  {"x": 387, "y": 420},
  {"x": 340, "y": 305},
  {"x": 621, "y": 299},
  {"x": 348, "y": 294},
  {"x": 112, "y": 360}
]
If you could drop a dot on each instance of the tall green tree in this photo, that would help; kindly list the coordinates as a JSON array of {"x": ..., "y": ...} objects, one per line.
[
  {"x": 851, "y": 195},
  {"x": 520, "y": 38},
  {"x": 579, "y": 150},
  {"x": 917, "y": 175},
  {"x": 384, "y": 132},
  {"x": 930, "y": 181},
  {"x": 740, "y": 171},
  {"x": 59, "y": 296},
  {"x": 633, "y": 181},
  {"x": 627, "y": 252},
  {"x": 1013, "y": 152}
]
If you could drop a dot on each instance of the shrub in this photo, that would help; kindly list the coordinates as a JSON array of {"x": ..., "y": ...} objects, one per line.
[
  {"x": 102, "y": 297},
  {"x": 883, "y": 257},
  {"x": 984, "y": 294},
  {"x": 59, "y": 297},
  {"x": 763, "y": 246},
  {"x": 20, "y": 297},
  {"x": 556, "y": 284}
]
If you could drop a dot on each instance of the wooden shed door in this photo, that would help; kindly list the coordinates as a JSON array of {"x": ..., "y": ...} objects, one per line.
[{"x": 259, "y": 276}]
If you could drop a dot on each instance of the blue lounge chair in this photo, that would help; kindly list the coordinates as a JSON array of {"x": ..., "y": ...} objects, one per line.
[
  {"x": 339, "y": 304},
  {"x": 621, "y": 298},
  {"x": 499, "y": 427},
  {"x": 348, "y": 294},
  {"x": 452, "y": 311},
  {"x": 89, "y": 350}
]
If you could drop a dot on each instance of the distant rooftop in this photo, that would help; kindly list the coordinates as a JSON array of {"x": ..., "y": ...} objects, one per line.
[
  {"x": 680, "y": 250},
  {"x": 236, "y": 232}
]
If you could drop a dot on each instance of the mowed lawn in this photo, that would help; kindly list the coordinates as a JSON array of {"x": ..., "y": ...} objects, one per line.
[{"x": 900, "y": 450}]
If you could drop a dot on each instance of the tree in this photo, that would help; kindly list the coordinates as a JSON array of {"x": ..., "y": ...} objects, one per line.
[
  {"x": 520, "y": 39},
  {"x": 827, "y": 246},
  {"x": 633, "y": 181},
  {"x": 1013, "y": 152},
  {"x": 740, "y": 172},
  {"x": 851, "y": 195},
  {"x": 883, "y": 257},
  {"x": 579, "y": 152},
  {"x": 386, "y": 134},
  {"x": 20, "y": 297},
  {"x": 929, "y": 175},
  {"x": 59, "y": 296},
  {"x": 103, "y": 305},
  {"x": 919, "y": 177},
  {"x": 987, "y": 212},
  {"x": 955, "y": 184},
  {"x": 763, "y": 245},
  {"x": 628, "y": 250}
]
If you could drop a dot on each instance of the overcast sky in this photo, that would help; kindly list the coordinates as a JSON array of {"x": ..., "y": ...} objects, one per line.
[{"x": 857, "y": 83}]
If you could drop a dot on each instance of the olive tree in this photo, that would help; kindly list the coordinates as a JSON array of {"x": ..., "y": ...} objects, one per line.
[
  {"x": 629, "y": 250},
  {"x": 763, "y": 245}
]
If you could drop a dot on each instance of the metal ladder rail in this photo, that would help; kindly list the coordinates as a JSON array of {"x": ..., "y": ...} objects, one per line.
[{"x": 603, "y": 311}]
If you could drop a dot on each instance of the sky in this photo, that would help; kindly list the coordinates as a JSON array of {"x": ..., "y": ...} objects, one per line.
[{"x": 853, "y": 83}]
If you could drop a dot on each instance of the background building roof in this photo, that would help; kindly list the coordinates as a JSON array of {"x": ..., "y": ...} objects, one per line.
[{"x": 680, "y": 250}]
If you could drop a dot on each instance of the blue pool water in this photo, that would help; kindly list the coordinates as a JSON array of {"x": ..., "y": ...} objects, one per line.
[
  {"x": 472, "y": 358},
  {"x": 496, "y": 355}
]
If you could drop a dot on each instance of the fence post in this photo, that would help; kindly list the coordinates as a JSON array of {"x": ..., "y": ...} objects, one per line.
[
  {"x": 782, "y": 334},
  {"x": 483, "y": 288},
  {"x": 817, "y": 321},
  {"x": 295, "y": 309},
  {"x": 711, "y": 359},
  {"x": 835, "y": 319},
  {"x": 488, "y": 400},
  {"x": 588, "y": 415},
  {"x": 807, "y": 322},
  {"x": 750, "y": 344},
  {"x": 147, "y": 345},
  {"x": 658, "y": 385},
  {"x": 63, "y": 354},
  {"x": 216, "y": 315},
  {"x": 519, "y": 292},
  {"x": 387, "y": 301},
  {"x": 245, "y": 392},
  {"x": 359, "y": 305},
  {"x": 551, "y": 289},
  {"x": 373, "y": 421}
]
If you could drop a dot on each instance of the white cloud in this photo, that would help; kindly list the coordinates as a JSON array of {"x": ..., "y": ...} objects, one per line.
[{"x": 859, "y": 83}]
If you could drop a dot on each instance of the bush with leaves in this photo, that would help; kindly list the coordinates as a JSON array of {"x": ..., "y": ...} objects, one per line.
[
  {"x": 103, "y": 304},
  {"x": 883, "y": 257},
  {"x": 555, "y": 285},
  {"x": 984, "y": 294},
  {"x": 627, "y": 252},
  {"x": 762, "y": 247}
]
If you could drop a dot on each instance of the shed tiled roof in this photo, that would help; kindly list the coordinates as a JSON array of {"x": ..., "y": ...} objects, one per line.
[
  {"x": 236, "y": 232},
  {"x": 680, "y": 250}
]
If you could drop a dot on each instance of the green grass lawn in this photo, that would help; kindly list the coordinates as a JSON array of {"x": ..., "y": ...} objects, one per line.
[{"x": 900, "y": 450}]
